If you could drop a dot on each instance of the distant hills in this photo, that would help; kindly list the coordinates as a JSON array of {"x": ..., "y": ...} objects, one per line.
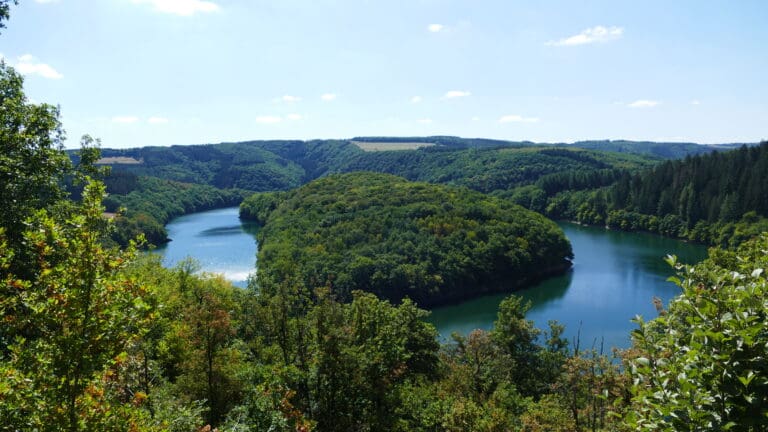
[
  {"x": 231, "y": 170},
  {"x": 663, "y": 150}
]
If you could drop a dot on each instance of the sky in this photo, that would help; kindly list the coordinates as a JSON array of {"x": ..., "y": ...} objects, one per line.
[{"x": 162, "y": 72}]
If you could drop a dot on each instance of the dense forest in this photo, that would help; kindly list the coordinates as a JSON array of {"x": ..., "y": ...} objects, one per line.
[
  {"x": 382, "y": 234},
  {"x": 154, "y": 184},
  {"x": 281, "y": 165},
  {"x": 716, "y": 198},
  {"x": 561, "y": 181}
]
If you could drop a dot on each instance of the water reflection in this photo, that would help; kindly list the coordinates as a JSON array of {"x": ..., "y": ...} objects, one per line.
[
  {"x": 615, "y": 276},
  {"x": 222, "y": 231}
]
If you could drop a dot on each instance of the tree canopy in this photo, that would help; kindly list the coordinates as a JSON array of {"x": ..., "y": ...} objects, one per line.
[{"x": 395, "y": 238}]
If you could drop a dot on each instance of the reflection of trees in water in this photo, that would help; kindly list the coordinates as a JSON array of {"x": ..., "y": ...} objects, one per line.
[
  {"x": 548, "y": 291},
  {"x": 222, "y": 231}
]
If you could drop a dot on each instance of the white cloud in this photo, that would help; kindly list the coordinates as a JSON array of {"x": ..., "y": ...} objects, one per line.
[
  {"x": 29, "y": 65},
  {"x": 288, "y": 99},
  {"x": 453, "y": 94},
  {"x": 514, "y": 118},
  {"x": 157, "y": 120},
  {"x": 435, "y": 28},
  {"x": 328, "y": 97},
  {"x": 475, "y": 118},
  {"x": 180, "y": 7},
  {"x": 125, "y": 119},
  {"x": 294, "y": 117},
  {"x": 416, "y": 99},
  {"x": 643, "y": 103},
  {"x": 268, "y": 119},
  {"x": 424, "y": 121},
  {"x": 591, "y": 35},
  {"x": 695, "y": 102}
]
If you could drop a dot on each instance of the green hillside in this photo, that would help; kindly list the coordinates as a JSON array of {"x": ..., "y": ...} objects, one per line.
[
  {"x": 396, "y": 239},
  {"x": 716, "y": 198}
]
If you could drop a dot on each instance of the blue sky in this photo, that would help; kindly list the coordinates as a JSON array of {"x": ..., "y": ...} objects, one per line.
[{"x": 162, "y": 72}]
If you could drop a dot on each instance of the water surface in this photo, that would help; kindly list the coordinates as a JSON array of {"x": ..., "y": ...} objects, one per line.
[
  {"x": 217, "y": 239},
  {"x": 615, "y": 276}
]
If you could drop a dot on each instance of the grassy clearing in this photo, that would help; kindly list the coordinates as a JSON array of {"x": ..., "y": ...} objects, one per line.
[
  {"x": 117, "y": 160},
  {"x": 385, "y": 146}
]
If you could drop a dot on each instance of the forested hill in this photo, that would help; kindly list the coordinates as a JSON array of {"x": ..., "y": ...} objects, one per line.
[
  {"x": 717, "y": 198},
  {"x": 383, "y": 234},
  {"x": 664, "y": 150},
  {"x": 282, "y": 165},
  {"x": 480, "y": 164}
]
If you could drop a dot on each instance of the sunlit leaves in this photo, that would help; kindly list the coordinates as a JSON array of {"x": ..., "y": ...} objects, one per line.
[{"x": 702, "y": 364}]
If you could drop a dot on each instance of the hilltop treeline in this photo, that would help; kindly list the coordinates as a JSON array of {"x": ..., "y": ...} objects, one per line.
[
  {"x": 385, "y": 235},
  {"x": 155, "y": 184},
  {"x": 282, "y": 165}
]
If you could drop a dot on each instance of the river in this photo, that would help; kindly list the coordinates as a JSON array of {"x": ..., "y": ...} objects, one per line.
[
  {"x": 615, "y": 276},
  {"x": 217, "y": 239}
]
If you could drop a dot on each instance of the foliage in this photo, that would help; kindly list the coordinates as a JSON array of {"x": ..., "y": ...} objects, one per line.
[
  {"x": 664, "y": 150},
  {"x": 395, "y": 238},
  {"x": 192, "y": 362},
  {"x": 337, "y": 366},
  {"x": 5, "y": 10},
  {"x": 259, "y": 206},
  {"x": 491, "y": 169},
  {"x": 32, "y": 164},
  {"x": 81, "y": 313},
  {"x": 701, "y": 364},
  {"x": 483, "y": 165},
  {"x": 717, "y": 198},
  {"x": 252, "y": 165}
]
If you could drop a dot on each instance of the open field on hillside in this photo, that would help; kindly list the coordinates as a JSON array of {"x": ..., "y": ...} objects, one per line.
[
  {"x": 384, "y": 146},
  {"x": 118, "y": 160}
]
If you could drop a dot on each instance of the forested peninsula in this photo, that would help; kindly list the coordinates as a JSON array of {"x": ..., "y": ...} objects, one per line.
[{"x": 394, "y": 238}]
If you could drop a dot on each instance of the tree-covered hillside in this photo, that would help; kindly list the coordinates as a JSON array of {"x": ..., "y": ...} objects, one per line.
[
  {"x": 488, "y": 170},
  {"x": 395, "y": 238},
  {"x": 252, "y": 165},
  {"x": 663, "y": 150},
  {"x": 281, "y": 165},
  {"x": 481, "y": 164},
  {"x": 717, "y": 198}
]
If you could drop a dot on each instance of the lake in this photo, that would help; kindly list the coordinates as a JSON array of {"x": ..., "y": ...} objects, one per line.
[{"x": 615, "y": 276}]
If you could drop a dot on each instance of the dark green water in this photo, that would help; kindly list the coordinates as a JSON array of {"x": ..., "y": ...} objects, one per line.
[
  {"x": 615, "y": 276},
  {"x": 217, "y": 239}
]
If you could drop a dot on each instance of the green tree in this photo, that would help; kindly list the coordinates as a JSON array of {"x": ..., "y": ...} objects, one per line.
[
  {"x": 32, "y": 163},
  {"x": 81, "y": 312},
  {"x": 5, "y": 10},
  {"x": 701, "y": 364},
  {"x": 533, "y": 366},
  {"x": 210, "y": 358}
]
